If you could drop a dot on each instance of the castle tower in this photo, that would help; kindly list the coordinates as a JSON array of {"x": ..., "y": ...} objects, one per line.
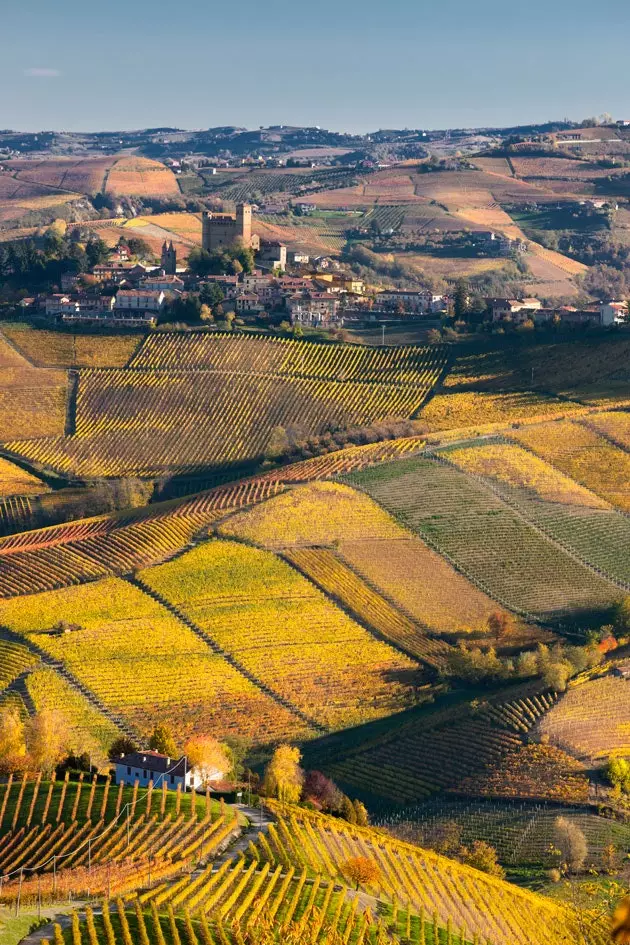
[
  {"x": 221, "y": 231},
  {"x": 169, "y": 259},
  {"x": 244, "y": 223}
]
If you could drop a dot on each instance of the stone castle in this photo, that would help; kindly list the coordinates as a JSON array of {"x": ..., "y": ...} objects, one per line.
[{"x": 224, "y": 230}]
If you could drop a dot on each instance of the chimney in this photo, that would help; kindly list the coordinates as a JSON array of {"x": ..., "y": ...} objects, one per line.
[
  {"x": 168, "y": 761},
  {"x": 122, "y": 754}
]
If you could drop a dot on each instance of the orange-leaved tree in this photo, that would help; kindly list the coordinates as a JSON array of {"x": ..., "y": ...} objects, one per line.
[{"x": 361, "y": 870}]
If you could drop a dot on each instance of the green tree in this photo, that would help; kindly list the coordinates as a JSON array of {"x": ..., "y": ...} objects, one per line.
[
  {"x": 347, "y": 810},
  {"x": 121, "y": 746},
  {"x": 162, "y": 740},
  {"x": 283, "y": 775},
  {"x": 461, "y": 300}
]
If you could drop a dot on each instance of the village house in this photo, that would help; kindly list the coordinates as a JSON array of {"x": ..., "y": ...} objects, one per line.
[
  {"x": 412, "y": 301},
  {"x": 248, "y": 302},
  {"x": 272, "y": 255},
  {"x": 140, "y": 300},
  {"x": 164, "y": 283},
  {"x": 69, "y": 281},
  {"x": 151, "y": 766},
  {"x": 118, "y": 272},
  {"x": 514, "y": 310},
  {"x": 68, "y": 304},
  {"x": 313, "y": 308},
  {"x": 299, "y": 258}
]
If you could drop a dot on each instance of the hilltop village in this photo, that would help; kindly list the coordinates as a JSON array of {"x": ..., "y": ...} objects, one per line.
[{"x": 263, "y": 284}]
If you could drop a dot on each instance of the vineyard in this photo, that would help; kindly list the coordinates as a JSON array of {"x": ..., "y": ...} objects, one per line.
[
  {"x": 140, "y": 177},
  {"x": 285, "y": 632},
  {"x": 64, "y": 350},
  {"x": 520, "y": 567},
  {"x": 519, "y": 832},
  {"x": 370, "y": 542},
  {"x": 592, "y": 720},
  {"x": 32, "y": 399},
  {"x": 124, "y": 655},
  {"x": 567, "y": 512},
  {"x": 223, "y": 408},
  {"x": 479, "y": 747},
  {"x": 84, "y": 176},
  {"x": 584, "y": 455},
  {"x": 15, "y": 481},
  {"x": 465, "y": 899}
]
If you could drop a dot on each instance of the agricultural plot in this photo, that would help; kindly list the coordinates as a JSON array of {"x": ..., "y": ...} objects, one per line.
[
  {"x": 49, "y": 558},
  {"x": 531, "y": 771},
  {"x": 614, "y": 424},
  {"x": 144, "y": 423},
  {"x": 565, "y": 368},
  {"x": 15, "y": 481},
  {"x": 283, "y": 630},
  {"x": 582, "y": 454},
  {"x": 31, "y": 399},
  {"x": 15, "y": 659},
  {"x": 337, "y": 580},
  {"x": 383, "y": 218},
  {"x": 464, "y": 898},
  {"x": 520, "y": 833},
  {"x": 85, "y": 176},
  {"x": 592, "y": 720},
  {"x": 519, "y": 567},
  {"x": 144, "y": 664},
  {"x": 541, "y": 168},
  {"x": 392, "y": 559},
  {"x": 132, "y": 175},
  {"x": 404, "y": 365},
  {"x": 322, "y": 513},
  {"x": 90, "y": 729},
  {"x": 449, "y": 411},
  {"x": 566, "y": 511},
  {"x": 65, "y": 350}
]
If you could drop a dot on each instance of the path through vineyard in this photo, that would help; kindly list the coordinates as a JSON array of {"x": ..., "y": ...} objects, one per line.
[{"x": 258, "y": 822}]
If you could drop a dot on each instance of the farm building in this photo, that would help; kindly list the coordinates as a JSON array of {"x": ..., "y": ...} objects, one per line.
[{"x": 147, "y": 766}]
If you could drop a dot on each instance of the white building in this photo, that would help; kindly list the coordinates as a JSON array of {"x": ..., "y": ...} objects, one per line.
[
  {"x": 147, "y": 766},
  {"x": 141, "y": 300}
]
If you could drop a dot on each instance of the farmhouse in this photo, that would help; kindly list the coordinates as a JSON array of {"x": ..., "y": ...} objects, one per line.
[
  {"x": 412, "y": 301},
  {"x": 515, "y": 310},
  {"x": 147, "y": 766}
]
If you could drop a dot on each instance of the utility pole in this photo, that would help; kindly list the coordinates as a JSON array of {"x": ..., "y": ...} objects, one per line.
[
  {"x": 19, "y": 895},
  {"x": 54, "y": 874},
  {"x": 383, "y": 337},
  {"x": 39, "y": 896}
]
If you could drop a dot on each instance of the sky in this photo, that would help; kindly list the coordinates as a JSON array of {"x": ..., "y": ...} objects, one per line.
[{"x": 347, "y": 65}]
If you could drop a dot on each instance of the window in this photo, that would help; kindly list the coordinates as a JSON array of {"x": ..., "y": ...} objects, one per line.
[
  {"x": 172, "y": 779},
  {"x": 128, "y": 770},
  {"x": 144, "y": 773}
]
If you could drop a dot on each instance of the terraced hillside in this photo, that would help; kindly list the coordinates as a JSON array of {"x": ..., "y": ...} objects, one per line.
[
  {"x": 195, "y": 401},
  {"x": 488, "y": 540}
]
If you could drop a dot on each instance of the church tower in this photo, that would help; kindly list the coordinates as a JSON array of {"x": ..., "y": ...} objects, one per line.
[{"x": 169, "y": 258}]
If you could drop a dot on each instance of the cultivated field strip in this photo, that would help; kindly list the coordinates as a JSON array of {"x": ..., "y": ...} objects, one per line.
[
  {"x": 585, "y": 525},
  {"x": 144, "y": 664},
  {"x": 460, "y": 516},
  {"x": 282, "y": 356},
  {"x": 285, "y": 632},
  {"x": 146, "y": 423},
  {"x": 336, "y": 579},
  {"x": 487, "y": 907}
]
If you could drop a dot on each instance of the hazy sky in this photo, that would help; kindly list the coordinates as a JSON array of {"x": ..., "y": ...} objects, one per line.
[{"x": 349, "y": 65}]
